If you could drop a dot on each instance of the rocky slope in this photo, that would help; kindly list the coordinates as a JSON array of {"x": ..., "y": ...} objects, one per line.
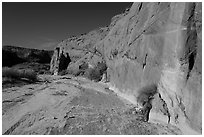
[
  {"x": 65, "y": 105},
  {"x": 155, "y": 44},
  {"x": 76, "y": 50},
  {"x": 12, "y": 55}
]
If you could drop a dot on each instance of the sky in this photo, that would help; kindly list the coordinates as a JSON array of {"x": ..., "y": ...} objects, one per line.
[{"x": 43, "y": 25}]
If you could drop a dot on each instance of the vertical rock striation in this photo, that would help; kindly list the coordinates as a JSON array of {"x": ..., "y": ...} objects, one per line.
[
  {"x": 60, "y": 60},
  {"x": 159, "y": 43},
  {"x": 155, "y": 44}
]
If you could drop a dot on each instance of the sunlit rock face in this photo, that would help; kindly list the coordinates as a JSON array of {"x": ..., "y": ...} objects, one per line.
[
  {"x": 151, "y": 44},
  {"x": 76, "y": 48},
  {"x": 159, "y": 43}
]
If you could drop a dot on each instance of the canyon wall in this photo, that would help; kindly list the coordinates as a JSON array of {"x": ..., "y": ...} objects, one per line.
[
  {"x": 159, "y": 43},
  {"x": 156, "y": 44}
]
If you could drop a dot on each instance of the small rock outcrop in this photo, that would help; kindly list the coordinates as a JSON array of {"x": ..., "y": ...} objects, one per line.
[{"x": 60, "y": 59}]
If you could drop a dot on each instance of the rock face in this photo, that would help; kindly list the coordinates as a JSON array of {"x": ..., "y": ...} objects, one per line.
[
  {"x": 78, "y": 50},
  {"x": 156, "y": 44},
  {"x": 159, "y": 43},
  {"x": 60, "y": 59}
]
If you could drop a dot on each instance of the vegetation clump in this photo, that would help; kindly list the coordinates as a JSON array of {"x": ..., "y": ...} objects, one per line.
[
  {"x": 28, "y": 74},
  {"x": 96, "y": 73}
]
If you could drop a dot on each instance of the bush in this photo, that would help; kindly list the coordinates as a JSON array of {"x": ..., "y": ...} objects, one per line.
[
  {"x": 63, "y": 72},
  {"x": 75, "y": 69},
  {"x": 102, "y": 67},
  {"x": 96, "y": 73},
  {"x": 74, "y": 72},
  {"x": 93, "y": 74},
  {"x": 19, "y": 74}
]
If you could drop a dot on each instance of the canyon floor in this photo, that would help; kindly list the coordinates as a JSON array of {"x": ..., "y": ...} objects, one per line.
[{"x": 69, "y": 105}]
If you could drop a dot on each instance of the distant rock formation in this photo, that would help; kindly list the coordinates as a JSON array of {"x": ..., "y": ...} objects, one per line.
[
  {"x": 79, "y": 49},
  {"x": 152, "y": 43},
  {"x": 60, "y": 60},
  {"x": 12, "y": 55}
]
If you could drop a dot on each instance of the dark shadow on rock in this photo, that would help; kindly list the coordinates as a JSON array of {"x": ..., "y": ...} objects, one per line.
[{"x": 64, "y": 61}]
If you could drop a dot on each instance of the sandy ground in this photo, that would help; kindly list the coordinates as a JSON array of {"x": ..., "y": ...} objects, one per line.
[{"x": 64, "y": 105}]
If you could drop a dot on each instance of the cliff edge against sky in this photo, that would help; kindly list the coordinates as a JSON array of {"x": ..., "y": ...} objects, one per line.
[{"x": 156, "y": 44}]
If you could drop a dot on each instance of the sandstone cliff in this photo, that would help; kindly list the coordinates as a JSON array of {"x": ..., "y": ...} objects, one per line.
[
  {"x": 153, "y": 44},
  {"x": 77, "y": 50}
]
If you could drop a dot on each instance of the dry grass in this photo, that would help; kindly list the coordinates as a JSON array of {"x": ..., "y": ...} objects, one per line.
[{"x": 19, "y": 74}]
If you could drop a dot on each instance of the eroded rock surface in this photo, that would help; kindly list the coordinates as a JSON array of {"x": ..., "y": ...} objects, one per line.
[
  {"x": 79, "y": 49},
  {"x": 160, "y": 44}
]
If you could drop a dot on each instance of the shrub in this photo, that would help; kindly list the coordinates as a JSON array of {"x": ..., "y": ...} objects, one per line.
[
  {"x": 19, "y": 74},
  {"x": 93, "y": 74},
  {"x": 75, "y": 69},
  {"x": 29, "y": 74},
  {"x": 63, "y": 72},
  {"x": 96, "y": 73},
  {"x": 11, "y": 73},
  {"x": 74, "y": 72},
  {"x": 102, "y": 67}
]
